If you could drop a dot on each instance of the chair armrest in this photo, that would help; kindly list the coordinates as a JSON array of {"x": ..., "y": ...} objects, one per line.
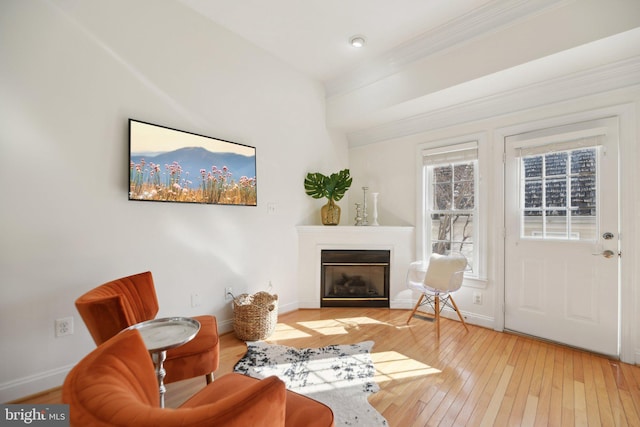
[{"x": 232, "y": 401}]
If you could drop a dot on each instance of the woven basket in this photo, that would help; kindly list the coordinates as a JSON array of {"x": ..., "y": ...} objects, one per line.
[{"x": 255, "y": 316}]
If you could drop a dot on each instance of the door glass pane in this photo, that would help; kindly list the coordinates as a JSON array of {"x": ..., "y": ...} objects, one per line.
[
  {"x": 583, "y": 161},
  {"x": 532, "y": 224},
  {"x": 556, "y": 192},
  {"x": 555, "y": 224},
  {"x": 533, "y": 194},
  {"x": 583, "y": 195},
  {"x": 533, "y": 167},
  {"x": 555, "y": 164}
]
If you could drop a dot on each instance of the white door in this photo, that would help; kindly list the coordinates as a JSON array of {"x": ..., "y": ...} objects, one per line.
[{"x": 562, "y": 235}]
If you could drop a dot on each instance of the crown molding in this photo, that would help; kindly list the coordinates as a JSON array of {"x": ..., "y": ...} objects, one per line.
[
  {"x": 485, "y": 19},
  {"x": 601, "y": 79}
]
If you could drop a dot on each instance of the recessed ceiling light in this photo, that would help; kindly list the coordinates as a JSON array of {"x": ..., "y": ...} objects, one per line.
[{"x": 357, "y": 41}]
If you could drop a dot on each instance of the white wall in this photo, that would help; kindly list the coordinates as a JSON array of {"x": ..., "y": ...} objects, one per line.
[
  {"x": 72, "y": 74},
  {"x": 390, "y": 167}
]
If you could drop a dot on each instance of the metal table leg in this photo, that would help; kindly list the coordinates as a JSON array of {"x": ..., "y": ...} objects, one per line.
[{"x": 158, "y": 360}]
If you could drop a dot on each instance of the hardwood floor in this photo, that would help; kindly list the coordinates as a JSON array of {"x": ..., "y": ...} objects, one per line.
[{"x": 479, "y": 378}]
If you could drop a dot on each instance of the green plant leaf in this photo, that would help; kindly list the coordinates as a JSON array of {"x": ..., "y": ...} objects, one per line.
[
  {"x": 339, "y": 183},
  {"x": 314, "y": 185},
  {"x": 332, "y": 187}
]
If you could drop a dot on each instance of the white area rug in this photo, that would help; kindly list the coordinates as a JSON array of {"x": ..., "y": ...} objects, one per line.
[{"x": 340, "y": 376}]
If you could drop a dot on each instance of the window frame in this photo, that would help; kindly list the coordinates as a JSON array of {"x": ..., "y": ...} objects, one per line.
[
  {"x": 431, "y": 208},
  {"x": 477, "y": 277}
]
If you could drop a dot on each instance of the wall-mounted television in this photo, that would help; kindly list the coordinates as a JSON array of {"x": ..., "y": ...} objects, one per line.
[{"x": 170, "y": 165}]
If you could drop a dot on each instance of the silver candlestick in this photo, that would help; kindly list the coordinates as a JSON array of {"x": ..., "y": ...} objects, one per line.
[
  {"x": 358, "y": 214},
  {"x": 365, "y": 221}
]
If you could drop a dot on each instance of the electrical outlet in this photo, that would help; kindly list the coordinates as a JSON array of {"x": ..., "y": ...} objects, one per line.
[
  {"x": 477, "y": 298},
  {"x": 195, "y": 300},
  {"x": 64, "y": 326},
  {"x": 228, "y": 293}
]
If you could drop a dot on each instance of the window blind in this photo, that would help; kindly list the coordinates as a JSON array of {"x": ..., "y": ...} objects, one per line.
[
  {"x": 558, "y": 146},
  {"x": 457, "y": 153}
]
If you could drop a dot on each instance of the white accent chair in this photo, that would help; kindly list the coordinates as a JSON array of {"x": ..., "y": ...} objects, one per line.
[{"x": 436, "y": 280}]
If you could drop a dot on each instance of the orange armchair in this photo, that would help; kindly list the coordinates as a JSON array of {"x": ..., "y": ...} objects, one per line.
[
  {"x": 116, "y": 305},
  {"x": 115, "y": 385}
]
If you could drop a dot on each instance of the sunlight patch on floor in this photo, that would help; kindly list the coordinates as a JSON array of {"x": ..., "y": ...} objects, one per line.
[
  {"x": 339, "y": 326},
  {"x": 287, "y": 332},
  {"x": 362, "y": 321},
  {"x": 391, "y": 365}
]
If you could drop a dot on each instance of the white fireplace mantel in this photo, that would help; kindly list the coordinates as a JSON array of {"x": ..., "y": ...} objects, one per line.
[{"x": 400, "y": 241}]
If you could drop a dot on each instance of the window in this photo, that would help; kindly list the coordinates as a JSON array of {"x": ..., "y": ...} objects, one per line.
[
  {"x": 450, "y": 206},
  {"x": 558, "y": 189}
]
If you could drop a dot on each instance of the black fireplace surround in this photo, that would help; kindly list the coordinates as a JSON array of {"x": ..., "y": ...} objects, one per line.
[{"x": 354, "y": 278}]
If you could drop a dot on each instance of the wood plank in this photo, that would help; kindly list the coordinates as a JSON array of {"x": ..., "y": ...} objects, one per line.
[
  {"x": 522, "y": 393},
  {"x": 546, "y": 385},
  {"x": 580, "y": 404},
  {"x": 591, "y": 396},
  {"x": 604, "y": 406},
  {"x": 568, "y": 398},
  {"x": 493, "y": 409},
  {"x": 555, "y": 407},
  {"x": 529, "y": 416}
]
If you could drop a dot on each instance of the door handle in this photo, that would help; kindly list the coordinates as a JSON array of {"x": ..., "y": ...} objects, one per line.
[{"x": 606, "y": 253}]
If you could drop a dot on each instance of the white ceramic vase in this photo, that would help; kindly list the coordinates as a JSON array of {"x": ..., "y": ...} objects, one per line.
[{"x": 375, "y": 209}]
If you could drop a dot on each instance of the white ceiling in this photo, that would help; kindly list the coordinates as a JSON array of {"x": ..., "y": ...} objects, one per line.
[
  {"x": 369, "y": 98},
  {"x": 313, "y": 35}
]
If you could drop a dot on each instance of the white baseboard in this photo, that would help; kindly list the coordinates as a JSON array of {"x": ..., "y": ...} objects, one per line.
[
  {"x": 225, "y": 326},
  {"x": 33, "y": 384},
  {"x": 402, "y": 304},
  {"x": 470, "y": 318},
  {"x": 286, "y": 308}
]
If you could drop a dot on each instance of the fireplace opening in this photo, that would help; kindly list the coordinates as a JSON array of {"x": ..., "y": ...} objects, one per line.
[{"x": 355, "y": 278}]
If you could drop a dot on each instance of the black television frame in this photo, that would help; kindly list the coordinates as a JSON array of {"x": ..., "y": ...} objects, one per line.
[{"x": 172, "y": 165}]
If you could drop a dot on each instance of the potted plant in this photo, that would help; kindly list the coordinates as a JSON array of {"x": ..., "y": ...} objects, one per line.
[{"x": 333, "y": 188}]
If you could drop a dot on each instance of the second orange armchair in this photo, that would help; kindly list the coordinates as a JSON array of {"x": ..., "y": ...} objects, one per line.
[{"x": 120, "y": 303}]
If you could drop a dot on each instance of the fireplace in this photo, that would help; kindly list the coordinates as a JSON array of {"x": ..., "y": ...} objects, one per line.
[{"x": 354, "y": 278}]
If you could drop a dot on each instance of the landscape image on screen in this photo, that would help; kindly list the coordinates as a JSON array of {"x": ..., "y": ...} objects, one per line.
[{"x": 169, "y": 165}]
